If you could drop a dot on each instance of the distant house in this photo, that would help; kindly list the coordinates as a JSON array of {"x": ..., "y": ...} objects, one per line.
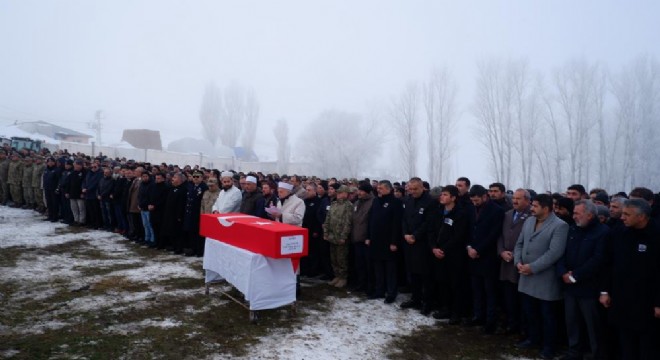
[
  {"x": 54, "y": 132},
  {"x": 143, "y": 138},
  {"x": 244, "y": 154}
]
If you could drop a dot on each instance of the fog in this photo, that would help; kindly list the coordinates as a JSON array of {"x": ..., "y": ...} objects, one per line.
[{"x": 146, "y": 64}]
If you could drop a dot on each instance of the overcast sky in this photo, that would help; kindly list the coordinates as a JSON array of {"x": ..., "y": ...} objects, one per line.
[{"x": 145, "y": 63}]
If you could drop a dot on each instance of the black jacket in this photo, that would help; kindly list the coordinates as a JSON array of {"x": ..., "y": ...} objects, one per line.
[
  {"x": 175, "y": 210},
  {"x": 143, "y": 195},
  {"x": 449, "y": 232},
  {"x": 106, "y": 188},
  {"x": 74, "y": 184},
  {"x": 385, "y": 227},
  {"x": 415, "y": 222},
  {"x": 584, "y": 256},
  {"x": 486, "y": 229},
  {"x": 193, "y": 206},
  {"x": 633, "y": 279}
]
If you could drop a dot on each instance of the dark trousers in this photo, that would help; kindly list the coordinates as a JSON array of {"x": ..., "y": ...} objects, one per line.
[
  {"x": 310, "y": 265},
  {"x": 447, "y": 286},
  {"x": 65, "y": 209},
  {"x": 324, "y": 258},
  {"x": 484, "y": 298},
  {"x": 385, "y": 278},
  {"x": 363, "y": 277},
  {"x": 107, "y": 210},
  {"x": 52, "y": 204},
  {"x": 542, "y": 322},
  {"x": 120, "y": 216},
  {"x": 93, "y": 208},
  {"x": 642, "y": 345},
  {"x": 416, "y": 285},
  {"x": 578, "y": 310},
  {"x": 196, "y": 243},
  {"x": 511, "y": 298}
]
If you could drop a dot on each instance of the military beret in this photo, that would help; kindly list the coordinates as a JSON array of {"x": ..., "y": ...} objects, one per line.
[{"x": 343, "y": 189}]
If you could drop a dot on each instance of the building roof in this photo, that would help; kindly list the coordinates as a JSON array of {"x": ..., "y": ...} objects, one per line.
[
  {"x": 143, "y": 138},
  {"x": 50, "y": 130}
]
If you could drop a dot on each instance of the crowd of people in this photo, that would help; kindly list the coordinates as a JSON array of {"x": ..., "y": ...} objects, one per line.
[{"x": 579, "y": 267}]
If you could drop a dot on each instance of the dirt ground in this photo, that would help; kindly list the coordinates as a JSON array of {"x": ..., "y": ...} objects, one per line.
[{"x": 74, "y": 293}]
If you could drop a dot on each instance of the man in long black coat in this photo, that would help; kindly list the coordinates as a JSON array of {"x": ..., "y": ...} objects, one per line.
[
  {"x": 157, "y": 198},
  {"x": 51, "y": 179},
  {"x": 632, "y": 289},
  {"x": 194, "y": 244},
  {"x": 175, "y": 211},
  {"x": 384, "y": 240},
  {"x": 415, "y": 249},
  {"x": 483, "y": 263}
]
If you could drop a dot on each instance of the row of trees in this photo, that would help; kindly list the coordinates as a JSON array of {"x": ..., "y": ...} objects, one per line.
[
  {"x": 578, "y": 123},
  {"x": 229, "y": 114}
]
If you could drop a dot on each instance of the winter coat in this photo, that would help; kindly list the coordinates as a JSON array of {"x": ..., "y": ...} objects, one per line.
[
  {"x": 132, "y": 200},
  {"x": 253, "y": 203},
  {"x": 415, "y": 223},
  {"x": 193, "y": 206},
  {"x": 106, "y": 188},
  {"x": 208, "y": 199},
  {"x": 15, "y": 172},
  {"x": 361, "y": 211},
  {"x": 584, "y": 257},
  {"x": 91, "y": 184},
  {"x": 337, "y": 225},
  {"x": 385, "y": 227},
  {"x": 75, "y": 184},
  {"x": 37, "y": 175},
  {"x": 143, "y": 194},
  {"x": 507, "y": 242},
  {"x": 50, "y": 178},
  {"x": 449, "y": 232},
  {"x": 486, "y": 229},
  {"x": 541, "y": 249},
  {"x": 175, "y": 210},
  {"x": 293, "y": 210},
  {"x": 633, "y": 276}
]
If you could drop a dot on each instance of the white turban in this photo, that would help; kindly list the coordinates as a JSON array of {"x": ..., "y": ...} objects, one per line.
[
  {"x": 284, "y": 185},
  {"x": 251, "y": 179},
  {"x": 226, "y": 174}
]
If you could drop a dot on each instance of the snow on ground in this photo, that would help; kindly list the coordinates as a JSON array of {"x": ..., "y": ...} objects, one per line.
[
  {"x": 353, "y": 328},
  {"x": 350, "y": 330}
]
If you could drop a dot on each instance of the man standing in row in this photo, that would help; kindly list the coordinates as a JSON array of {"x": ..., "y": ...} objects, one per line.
[
  {"x": 541, "y": 244},
  {"x": 230, "y": 196},
  {"x": 384, "y": 241},
  {"x": 336, "y": 230},
  {"x": 415, "y": 246}
]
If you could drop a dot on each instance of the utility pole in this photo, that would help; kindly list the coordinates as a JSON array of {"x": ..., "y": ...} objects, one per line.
[{"x": 96, "y": 125}]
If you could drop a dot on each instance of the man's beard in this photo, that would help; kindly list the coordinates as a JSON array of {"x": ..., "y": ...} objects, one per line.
[{"x": 226, "y": 187}]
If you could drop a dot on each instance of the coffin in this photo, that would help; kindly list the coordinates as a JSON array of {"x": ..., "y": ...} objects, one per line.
[{"x": 268, "y": 238}]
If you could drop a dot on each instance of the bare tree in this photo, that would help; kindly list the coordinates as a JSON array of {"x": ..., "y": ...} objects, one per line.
[
  {"x": 347, "y": 147},
  {"x": 576, "y": 84},
  {"x": 404, "y": 113},
  {"x": 232, "y": 120},
  {"x": 251, "y": 120},
  {"x": 636, "y": 90},
  {"x": 493, "y": 109},
  {"x": 439, "y": 97},
  {"x": 281, "y": 132},
  {"x": 210, "y": 113}
]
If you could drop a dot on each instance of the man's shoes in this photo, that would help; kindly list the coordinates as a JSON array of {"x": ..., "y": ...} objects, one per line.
[
  {"x": 390, "y": 299},
  {"x": 525, "y": 344},
  {"x": 441, "y": 315},
  {"x": 340, "y": 283},
  {"x": 426, "y": 310},
  {"x": 374, "y": 296},
  {"x": 475, "y": 322},
  {"x": 454, "y": 321},
  {"x": 547, "y": 354},
  {"x": 411, "y": 304},
  {"x": 489, "y": 329}
]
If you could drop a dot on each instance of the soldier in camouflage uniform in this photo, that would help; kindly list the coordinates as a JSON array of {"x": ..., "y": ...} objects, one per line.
[
  {"x": 37, "y": 173},
  {"x": 336, "y": 230},
  {"x": 15, "y": 177},
  {"x": 26, "y": 183},
  {"x": 4, "y": 177}
]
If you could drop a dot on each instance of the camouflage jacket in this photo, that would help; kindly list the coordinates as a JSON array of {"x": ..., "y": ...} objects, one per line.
[
  {"x": 208, "y": 199},
  {"x": 27, "y": 175},
  {"x": 15, "y": 172},
  {"x": 337, "y": 225},
  {"x": 37, "y": 174},
  {"x": 4, "y": 170}
]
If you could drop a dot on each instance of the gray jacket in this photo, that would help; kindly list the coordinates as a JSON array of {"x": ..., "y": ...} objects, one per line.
[{"x": 541, "y": 249}]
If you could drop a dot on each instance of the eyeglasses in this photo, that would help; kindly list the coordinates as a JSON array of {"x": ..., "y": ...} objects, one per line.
[{"x": 196, "y": 176}]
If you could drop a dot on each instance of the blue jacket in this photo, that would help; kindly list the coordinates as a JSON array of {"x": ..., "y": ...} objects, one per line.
[{"x": 91, "y": 183}]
